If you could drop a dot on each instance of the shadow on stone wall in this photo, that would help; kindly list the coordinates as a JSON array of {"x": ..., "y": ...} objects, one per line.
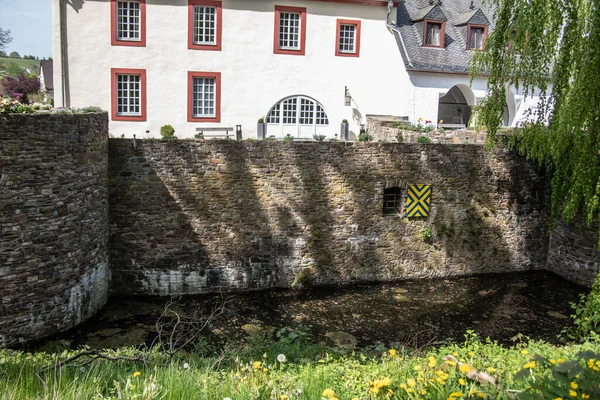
[{"x": 193, "y": 216}]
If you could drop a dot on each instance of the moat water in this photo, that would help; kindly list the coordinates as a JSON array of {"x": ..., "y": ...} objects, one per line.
[{"x": 414, "y": 313}]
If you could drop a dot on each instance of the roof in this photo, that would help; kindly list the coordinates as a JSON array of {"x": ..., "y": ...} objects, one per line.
[
  {"x": 453, "y": 58},
  {"x": 47, "y": 71}
]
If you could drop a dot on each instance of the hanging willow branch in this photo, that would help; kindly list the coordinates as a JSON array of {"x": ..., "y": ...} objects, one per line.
[{"x": 550, "y": 48}]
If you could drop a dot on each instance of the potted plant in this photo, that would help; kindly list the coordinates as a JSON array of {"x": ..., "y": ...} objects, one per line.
[
  {"x": 261, "y": 129},
  {"x": 344, "y": 129}
]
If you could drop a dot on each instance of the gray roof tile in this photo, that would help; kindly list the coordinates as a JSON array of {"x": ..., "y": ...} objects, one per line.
[{"x": 453, "y": 57}]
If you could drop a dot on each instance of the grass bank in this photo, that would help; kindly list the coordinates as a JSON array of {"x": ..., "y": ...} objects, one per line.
[{"x": 292, "y": 368}]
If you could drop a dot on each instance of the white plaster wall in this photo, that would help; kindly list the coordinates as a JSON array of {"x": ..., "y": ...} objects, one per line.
[{"x": 253, "y": 78}]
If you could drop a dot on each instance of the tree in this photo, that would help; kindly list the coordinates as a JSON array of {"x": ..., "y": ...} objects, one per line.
[
  {"x": 20, "y": 86},
  {"x": 5, "y": 38},
  {"x": 554, "y": 46},
  {"x": 14, "y": 54}
]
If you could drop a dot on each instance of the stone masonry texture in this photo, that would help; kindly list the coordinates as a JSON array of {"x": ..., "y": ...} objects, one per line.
[
  {"x": 54, "y": 270},
  {"x": 197, "y": 216},
  {"x": 191, "y": 216}
]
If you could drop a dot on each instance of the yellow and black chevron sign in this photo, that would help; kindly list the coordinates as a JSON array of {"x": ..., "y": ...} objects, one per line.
[{"x": 418, "y": 200}]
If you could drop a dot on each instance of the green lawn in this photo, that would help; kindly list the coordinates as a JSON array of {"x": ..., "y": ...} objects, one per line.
[{"x": 22, "y": 64}]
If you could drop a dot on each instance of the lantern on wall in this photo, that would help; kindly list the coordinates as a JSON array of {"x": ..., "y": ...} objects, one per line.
[{"x": 347, "y": 97}]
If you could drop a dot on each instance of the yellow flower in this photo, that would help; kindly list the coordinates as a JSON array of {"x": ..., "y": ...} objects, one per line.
[
  {"x": 524, "y": 352},
  {"x": 328, "y": 393},
  {"x": 265, "y": 369},
  {"x": 491, "y": 369},
  {"x": 530, "y": 365},
  {"x": 472, "y": 392},
  {"x": 136, "y": 374},
  {"x": 417, "y": 367},
  {"x": 481, "y": 395},
  {"x": 392, "y": 353},
  {"x": 256, "y": 364},
  {"x": 572, "y": 393},
  {"x": 465, "y": 368},
  {"x": 450, "y": 362},
  {"x": 403, "y": 386},
  {"x": 455, "y": 354},
  {"x": 462, "y": 382},
  {"x": 409, "y": 390},
  {"x": 432, "y": 361},
  {"x": 131, "y": 387},
  {"x": 558, "y": 398},
  {"x": 472, "y": 354},
  {"x": 574, "y": 385},
  {"x": 375, "y": 390},
  {"x": 585, "y": 396},
  {"x": 553, "y": 361},
  {"x": 411, "y": 383},
  {"x": 385, "y": 381},
  {"x": 456, "y": 394},
  {"x": 561, "y": 360},
  {"x": 355, "y": 398},
  {"x": 283, "y": 397}
]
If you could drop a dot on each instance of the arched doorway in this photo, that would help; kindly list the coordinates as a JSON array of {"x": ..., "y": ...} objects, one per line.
[
  {"x": 298, "y": 116},
  {"x": 453, "y": 108}
]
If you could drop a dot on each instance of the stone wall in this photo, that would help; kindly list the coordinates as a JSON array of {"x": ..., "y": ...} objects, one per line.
[
  {"x": 54, "y": 222},
  {"x": 385, "y": 131},
  {"x": 573, "y": 252},
  {"x": 192, "y": 216}
]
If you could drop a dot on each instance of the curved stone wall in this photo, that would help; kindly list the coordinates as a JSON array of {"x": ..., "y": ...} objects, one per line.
[{"x": 54, "y": 269}]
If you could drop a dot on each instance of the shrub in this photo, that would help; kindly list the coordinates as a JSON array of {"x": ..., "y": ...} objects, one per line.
[
  {"x": 288, "y": 138},
  {"x": 426, "y": 234},
  {"x": 423, "y": 140},
  {"x": 199, "y": 136},
  {"x": 90, "y": 109},
  {"x": 365, "y": 137},
  {"x": 261, "y": 120},
  {"x": 20, "y": 86},
  {"x": 400, "y": 137},
  {"x": 319, "y": 138},
  {"x": 587, "y": 316},
  {"x": 167, "y": 132},
  {"x": 344, "y": 121}
]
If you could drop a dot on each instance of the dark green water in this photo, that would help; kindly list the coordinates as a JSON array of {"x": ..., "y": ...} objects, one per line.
[{"x": 415, "y": 313}]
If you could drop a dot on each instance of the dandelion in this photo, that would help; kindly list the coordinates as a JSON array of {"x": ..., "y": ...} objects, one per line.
[
  {"x": 530, "y": 365},
  {"x": 186, "y": 365},
  {"x": 328, "y": 393},
  {"x": 553, "y": 361},
  {"x": 281, "y": 358},
  {"x": 465, "y": 368},
  {"x": 136, "y": 374},
  {"x": 131, "y": 387},
  {"x": 491, "y": 369},
  {"x": 283, "y": 397},
  {"x": 256, "y": 364},
  {"x": 411, "y": 382},
  {"x": 432, "y": 362},
  {"x": 472, "y": 354},
  {"x": 392, "y": 353},
  {"x": 482, "y": 396},
  {"x": 561, "y": 360},
  {"x": 462, "y": 382},
  {"x": 572, "y": 393},
  {"x": 558, "y": 398},
  {"x": 417, "y": 367},
  {"x": 524, "y": 352},
  {"x": 574, "y": 385},
  {"x": 403, "y": 386},
  {"x": 585, "y": 396}
]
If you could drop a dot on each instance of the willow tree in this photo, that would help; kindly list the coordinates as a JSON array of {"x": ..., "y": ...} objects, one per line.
[{"x": 550, "y": 48}]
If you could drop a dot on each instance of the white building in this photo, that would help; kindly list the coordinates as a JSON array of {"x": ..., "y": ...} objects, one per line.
[{"x": 205, "y": 63}]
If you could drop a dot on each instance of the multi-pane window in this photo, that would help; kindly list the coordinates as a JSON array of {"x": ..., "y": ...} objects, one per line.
[
  {"x": 203, "y": 97},
  {"x": 128, "y": 20},
  {"x": 347, "y": 40},
  {"x": 392, "y": 198},
  {"x": 290, "y": 108},
  {"x": 289, "y": 31},
  {"x": 434, "y": 34},
  {"x": 128, "y": 91},
  {"x": 297, "y": 110},
  {"x": 128, "y": 95},
  {"x": 205, "y": 25},
  {"x": 477, "y": 36}
]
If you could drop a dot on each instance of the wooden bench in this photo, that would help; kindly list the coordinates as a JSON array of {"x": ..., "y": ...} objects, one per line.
[{"x": 228, "y": 132}]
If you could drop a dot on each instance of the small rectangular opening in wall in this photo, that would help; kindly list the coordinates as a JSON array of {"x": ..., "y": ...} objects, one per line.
[{"x": 392, "y": 200}]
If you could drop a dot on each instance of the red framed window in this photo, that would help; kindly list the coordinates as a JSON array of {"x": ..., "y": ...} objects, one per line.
[
  {"x": 204, "y": 96},
  {"x": 289, "y": 36},
  {"x": 204, "y": 24},
  {"x": 347, "y": 38},
  {"x": 476, "y": 37},
  {"x": 433, "y": 33},
  {"x": 128, "y": 94},
  {"x": 128, "y": 23}
]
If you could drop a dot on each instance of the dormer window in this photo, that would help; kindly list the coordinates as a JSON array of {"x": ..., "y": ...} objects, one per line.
[
  {"x": 476, "y": 37},
  {"x": 433, "y": 35}
]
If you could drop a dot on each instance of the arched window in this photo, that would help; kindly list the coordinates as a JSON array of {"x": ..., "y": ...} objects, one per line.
[
  {"x": 453, "y": 108},
  {"x": 298, "y": 116}
]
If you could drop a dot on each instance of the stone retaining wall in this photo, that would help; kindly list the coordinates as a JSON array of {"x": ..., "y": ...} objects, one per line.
[
  {"x": 192, "y": 216},
  {"x": 54, "y": 222}
]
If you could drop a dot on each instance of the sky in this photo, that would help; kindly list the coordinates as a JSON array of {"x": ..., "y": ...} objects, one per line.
[{"x": 30, "y": 23}]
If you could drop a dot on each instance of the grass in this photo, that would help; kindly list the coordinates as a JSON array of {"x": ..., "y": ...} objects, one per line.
[
  {"x": 20, "y": 62},
  {"x": 529, "y": 370}
]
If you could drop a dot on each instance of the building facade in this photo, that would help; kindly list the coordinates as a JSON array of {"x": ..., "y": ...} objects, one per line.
[{"x": 304, "y": 66}]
